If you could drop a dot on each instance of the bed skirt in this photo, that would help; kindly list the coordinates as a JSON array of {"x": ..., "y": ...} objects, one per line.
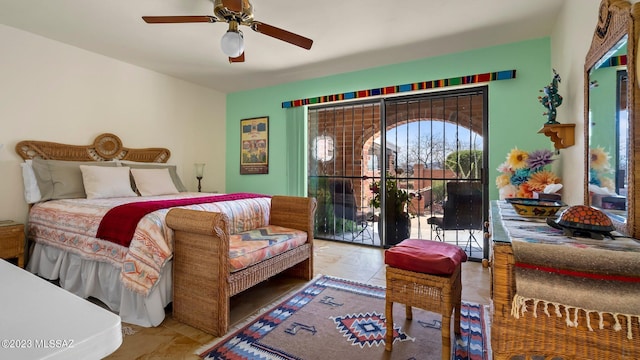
[{"x": 101, "y": 280}]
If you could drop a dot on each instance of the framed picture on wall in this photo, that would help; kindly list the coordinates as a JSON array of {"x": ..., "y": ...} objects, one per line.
[{"x": 254, "y": 143}]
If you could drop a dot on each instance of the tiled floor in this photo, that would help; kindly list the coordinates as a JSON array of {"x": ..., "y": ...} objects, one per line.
[{"x": 174, "y": 340}]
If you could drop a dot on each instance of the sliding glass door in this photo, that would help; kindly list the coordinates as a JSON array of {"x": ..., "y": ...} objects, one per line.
[{"x": 402, "y": 167}]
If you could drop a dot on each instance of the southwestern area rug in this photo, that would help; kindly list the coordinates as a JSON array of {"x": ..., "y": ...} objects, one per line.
[{"x": 334, "y": 318}]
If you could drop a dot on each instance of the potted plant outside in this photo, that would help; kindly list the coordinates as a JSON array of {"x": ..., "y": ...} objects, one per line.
[{"x": 397, "y": 220}]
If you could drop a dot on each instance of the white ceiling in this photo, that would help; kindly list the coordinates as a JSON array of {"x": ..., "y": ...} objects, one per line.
[{"x": 348, "y": 34}]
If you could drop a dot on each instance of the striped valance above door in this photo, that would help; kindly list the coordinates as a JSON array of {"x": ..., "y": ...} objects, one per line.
[{"x": 432, "y": 84}]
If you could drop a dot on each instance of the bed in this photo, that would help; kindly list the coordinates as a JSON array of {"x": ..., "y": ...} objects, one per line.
[{"x": 74, "y": 189}]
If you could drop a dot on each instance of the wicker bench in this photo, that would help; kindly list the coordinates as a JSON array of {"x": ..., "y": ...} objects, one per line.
[{"x": 202, "y": 280}]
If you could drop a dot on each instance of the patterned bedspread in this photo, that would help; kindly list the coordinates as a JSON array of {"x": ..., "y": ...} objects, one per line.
[{"x": 72, "y": 224}]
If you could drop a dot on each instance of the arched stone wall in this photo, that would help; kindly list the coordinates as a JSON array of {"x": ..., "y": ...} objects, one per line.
[{"x": 355, "y": 126}]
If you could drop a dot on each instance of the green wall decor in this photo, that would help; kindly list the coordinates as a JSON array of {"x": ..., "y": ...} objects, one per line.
[{"x": 551, "y": 99}]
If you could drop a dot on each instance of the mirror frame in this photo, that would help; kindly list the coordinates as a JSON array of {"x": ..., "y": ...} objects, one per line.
[{"x": 616, "y": 18}]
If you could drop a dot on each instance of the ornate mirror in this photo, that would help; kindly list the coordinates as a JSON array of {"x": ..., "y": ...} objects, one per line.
[{"x": 611, "y": 98}]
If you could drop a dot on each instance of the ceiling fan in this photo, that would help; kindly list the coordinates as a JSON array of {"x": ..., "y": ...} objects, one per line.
[{"x": 235, "y": 13}]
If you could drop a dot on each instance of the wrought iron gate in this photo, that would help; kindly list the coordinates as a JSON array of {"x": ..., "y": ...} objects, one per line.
[{"x": 422, "y": 177}]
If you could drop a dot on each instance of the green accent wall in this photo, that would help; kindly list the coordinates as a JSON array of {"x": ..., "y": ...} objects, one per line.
[
  {"x": 602, "y": 104},
  {"x": 515, "y": 114}
]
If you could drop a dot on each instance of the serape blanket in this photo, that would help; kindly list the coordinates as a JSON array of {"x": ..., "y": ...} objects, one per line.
[
  {"x": 71, "y": 225},
  {"x": 575, "y": 275}
]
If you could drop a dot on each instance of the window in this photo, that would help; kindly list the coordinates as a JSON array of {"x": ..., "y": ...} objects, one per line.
[
  {"x": 373, "y": 163},
  {"x": 322, "y": 148}
]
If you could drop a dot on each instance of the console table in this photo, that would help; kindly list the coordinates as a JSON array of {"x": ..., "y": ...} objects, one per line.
[
  {"x": 549, "y": 328},
  {"x": 43, "y": 321}
]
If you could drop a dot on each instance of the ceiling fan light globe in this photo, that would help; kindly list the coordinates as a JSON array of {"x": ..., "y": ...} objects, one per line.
[{"x": 232, "y": 43}]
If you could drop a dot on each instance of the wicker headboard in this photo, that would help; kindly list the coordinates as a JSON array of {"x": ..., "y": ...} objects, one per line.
[{"x": 105, "y": 147}]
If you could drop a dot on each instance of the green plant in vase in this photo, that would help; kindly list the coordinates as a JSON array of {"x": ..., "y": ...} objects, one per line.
[{"x": 398, "y": 223}]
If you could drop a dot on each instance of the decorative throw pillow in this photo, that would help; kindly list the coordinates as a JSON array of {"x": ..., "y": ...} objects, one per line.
[
  {"x": 172, "y": 171},
  {"x": 151, "y": 182},
  {"x": 106, "y": 182},
  {"x": 58, "y": 179},
  {"x": 31, "y": 189}
]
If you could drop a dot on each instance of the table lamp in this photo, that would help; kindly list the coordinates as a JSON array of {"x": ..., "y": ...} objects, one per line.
[{"x": 199, "y": 173}]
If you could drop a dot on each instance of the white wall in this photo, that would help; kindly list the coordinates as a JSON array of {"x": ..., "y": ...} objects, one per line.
[
  {"x": 570, "y": 42},
  {"x": 56, "y": 92},
  {"x": 52, "y": 91}
]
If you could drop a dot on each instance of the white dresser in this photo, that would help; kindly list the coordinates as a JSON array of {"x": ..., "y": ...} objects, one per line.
[{"x": 39, "y": 320}]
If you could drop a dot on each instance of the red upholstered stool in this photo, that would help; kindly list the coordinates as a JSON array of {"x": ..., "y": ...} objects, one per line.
[{"x": 425, "y": 274}]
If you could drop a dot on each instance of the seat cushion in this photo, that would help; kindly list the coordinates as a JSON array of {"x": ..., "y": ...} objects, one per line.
[
  {"x": 425, "y": 256},
  {"x": 251, "y": 247}
]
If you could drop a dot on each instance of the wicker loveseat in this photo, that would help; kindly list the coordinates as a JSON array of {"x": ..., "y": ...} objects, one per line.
[{"x": 202, "y": 280}]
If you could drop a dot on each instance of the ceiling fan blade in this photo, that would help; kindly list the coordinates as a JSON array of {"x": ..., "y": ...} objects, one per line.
[
  {"x": 179, "y": 19},
  {"x": 237, "y": 59},
  {"x": 281, "y": 34},
  {"x": 233, "y": 5}
]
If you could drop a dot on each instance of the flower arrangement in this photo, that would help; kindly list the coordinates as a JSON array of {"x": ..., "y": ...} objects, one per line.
[
  {"x": 599, "y": 168},
  {"x": 396, "y": 197},
  {"x": 525, "y": 172}
]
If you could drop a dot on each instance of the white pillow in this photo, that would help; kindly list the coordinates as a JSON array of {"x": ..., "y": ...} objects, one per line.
[
  {"x": 173, "y": 170},
  {"x": 154, "y": 182},
  {"x": 31, "y": 190},
  {"x": 106, "y": 182}
]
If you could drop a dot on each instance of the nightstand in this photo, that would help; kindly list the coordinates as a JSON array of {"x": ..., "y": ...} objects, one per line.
[{"x": 12, "y": 241}]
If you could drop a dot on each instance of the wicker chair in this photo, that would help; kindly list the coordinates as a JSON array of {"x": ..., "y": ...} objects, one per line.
[{"x": 439, "y": 292}]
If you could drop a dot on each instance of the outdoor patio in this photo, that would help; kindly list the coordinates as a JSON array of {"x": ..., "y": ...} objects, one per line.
[{"x": 471, "y": 241}]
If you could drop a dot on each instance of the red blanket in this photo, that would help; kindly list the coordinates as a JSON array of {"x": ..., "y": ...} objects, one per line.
[{"x": 119, "y": 224}]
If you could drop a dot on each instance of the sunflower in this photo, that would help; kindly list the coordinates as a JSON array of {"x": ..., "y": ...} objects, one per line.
[
  {"x": 517, "y": 159},
  {"x": 539, "y": 180},
  {"x": 599, "y": 159}
]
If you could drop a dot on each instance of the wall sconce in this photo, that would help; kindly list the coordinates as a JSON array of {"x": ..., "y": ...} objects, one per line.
[{"x": 199, "y": 174}]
